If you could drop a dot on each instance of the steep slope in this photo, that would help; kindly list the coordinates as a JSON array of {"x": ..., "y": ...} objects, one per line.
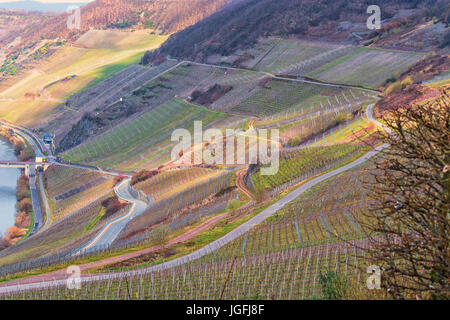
[
  {"x": 165, "y": 15},
  {"x": 241, "y": 24}
]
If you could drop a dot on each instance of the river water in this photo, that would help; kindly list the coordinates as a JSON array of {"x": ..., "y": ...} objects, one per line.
[{"x": 8, "y": 182}]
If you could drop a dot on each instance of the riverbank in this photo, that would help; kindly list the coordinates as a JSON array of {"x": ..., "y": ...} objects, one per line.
[
  {"x": 23, "y": 150},
  {"x": 23, "y": 216}
]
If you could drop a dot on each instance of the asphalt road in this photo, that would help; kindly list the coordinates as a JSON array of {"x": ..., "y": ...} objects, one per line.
[
  {"x": 110, "y": 231},
  {"x": 34, "y": 140},
  {"x": 44, "y": 200},
  {"x": 38, "y": 217}
]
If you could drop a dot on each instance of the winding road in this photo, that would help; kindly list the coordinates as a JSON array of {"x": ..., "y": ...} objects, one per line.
[
  {"x": 111, "y": 231},
  {"x": 232, "y": 235}
]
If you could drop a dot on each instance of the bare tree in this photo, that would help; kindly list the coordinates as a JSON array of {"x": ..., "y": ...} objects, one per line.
[
  {"x": 159, "y": 235},
  {"x": 408, "y": 220}
]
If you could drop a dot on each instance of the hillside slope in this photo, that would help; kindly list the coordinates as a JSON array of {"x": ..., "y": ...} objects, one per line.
[
  {"x": 167, "y": 16},
  {"x": 242, "y": 24}
]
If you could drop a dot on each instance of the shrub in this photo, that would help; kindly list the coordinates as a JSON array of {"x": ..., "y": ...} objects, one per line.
[
  {"x": 3, "y": 243},
  {"x": 14, "y": 232},
  {"x": 18, "y": 147},
  {"x": 24, "y": 205},
  {"x": 22, "y": 188},
  {"x": 334, "y": 286},
  {"x": 263, "y": 83},
  {"x": 159, "y": 235},
  {"x": 22, "y": 219},
  {"x": 395, "y": 87},
  {"x": 259, "y": 190},
  {"x": 142, "y": 176},
  {"x": 295, "y": 141},
  {"x": 117, "y": 180},
  {"x": 407, "y": 81},
  {"x": 112, "y": 205},
  {"x": 233, "y": 204},
  {"x": 21, "y": 193},
  {"x": 340, "y": 118}
]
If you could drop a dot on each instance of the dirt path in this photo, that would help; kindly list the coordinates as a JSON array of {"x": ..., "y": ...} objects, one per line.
[
  {"x": 62, "y": 273},
  {"x": 240, "y": 183}
]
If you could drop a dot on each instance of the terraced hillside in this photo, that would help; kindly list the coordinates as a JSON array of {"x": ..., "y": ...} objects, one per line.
[
  {"x": 144, "y": 141},
  {"x": 282, "y": 258},
  {"x": 108, "y": 106},
  {"x": 173, "y": 181},
  {"x": 142, "y": 226},
  {"x": 181, "y": 205},
  {"x": 277, "y": 96},
  {"x": 71, "y": 189},
  {"x": 366, "y": 67},
  {"x": 293, "y": 56},
  {"x": 299, "y": 164}
]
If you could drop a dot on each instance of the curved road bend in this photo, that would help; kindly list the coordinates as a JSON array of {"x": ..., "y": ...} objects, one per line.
[
  {"x": 44, "y": 199},
  {"x": 234, "y": 234},
  {"x": 111, "y": 230}
]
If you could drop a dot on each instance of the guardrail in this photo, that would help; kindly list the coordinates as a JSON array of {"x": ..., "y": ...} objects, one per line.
[{"x": 140, "y": 195}]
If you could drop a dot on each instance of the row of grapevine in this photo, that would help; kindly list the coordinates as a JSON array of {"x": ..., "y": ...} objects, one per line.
[
  {"x": 286, "y": 274},
  {"x": 173, "y": 205}
]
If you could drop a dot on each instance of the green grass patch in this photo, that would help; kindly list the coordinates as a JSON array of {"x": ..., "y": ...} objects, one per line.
[{"x": 94, "y": 221}]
